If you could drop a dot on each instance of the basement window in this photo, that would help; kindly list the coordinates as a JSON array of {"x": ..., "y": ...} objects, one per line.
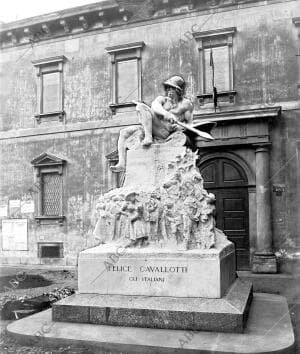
[{"x": 50, "y": 250}]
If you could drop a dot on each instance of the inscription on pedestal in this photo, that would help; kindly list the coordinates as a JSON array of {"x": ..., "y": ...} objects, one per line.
[
  {"x": 148, "y": 273},
  {"x": 156, "y": 272}
]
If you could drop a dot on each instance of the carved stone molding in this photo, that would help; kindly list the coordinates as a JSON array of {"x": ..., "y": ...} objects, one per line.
[
  {"x": 244, "y": 127},
  {"x": 101, "y": 14}
]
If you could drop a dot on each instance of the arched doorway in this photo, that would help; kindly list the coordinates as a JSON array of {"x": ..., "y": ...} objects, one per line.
[{"x": 228, "y": 182}]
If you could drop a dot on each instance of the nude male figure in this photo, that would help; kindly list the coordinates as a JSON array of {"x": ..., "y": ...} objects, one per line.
[{"x": 158, "y": 121}]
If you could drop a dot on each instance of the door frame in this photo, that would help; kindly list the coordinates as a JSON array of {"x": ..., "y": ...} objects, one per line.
[{"x": 250, "y": 174}]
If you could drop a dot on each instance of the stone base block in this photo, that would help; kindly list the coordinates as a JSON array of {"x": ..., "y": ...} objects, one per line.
[
  {"x": 228, "y": 314},
  {"x": 269, "y": 330},
  {"x": 264, "y": 263},
  {"x": 153, "y": 271}
]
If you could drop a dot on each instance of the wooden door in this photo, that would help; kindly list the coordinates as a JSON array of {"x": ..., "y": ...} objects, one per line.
[{"x": 228, "y": 182}]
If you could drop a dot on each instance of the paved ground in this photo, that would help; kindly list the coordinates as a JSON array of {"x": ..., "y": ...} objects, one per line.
[
  {"x": 281, "y": 284},
  {"x": 17, "y": 282},
  {"x": 268, "y": 330},
  {"x": 37, "y": 281}
]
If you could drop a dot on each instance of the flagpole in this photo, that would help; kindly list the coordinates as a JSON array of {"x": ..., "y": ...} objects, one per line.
[{"x": 214, "y": 89}]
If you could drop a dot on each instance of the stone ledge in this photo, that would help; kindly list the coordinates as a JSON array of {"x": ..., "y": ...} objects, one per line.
[
  {"x": 223, "y": 248},
  {"x": 268, "y": 330},
  {"x": 228, "y": 314}
]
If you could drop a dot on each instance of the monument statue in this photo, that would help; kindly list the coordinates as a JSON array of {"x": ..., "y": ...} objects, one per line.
[
  {"x": 163, "y": 201},
  {"x": 167, "y": 114},
  {"x": 160, "y": 261}
]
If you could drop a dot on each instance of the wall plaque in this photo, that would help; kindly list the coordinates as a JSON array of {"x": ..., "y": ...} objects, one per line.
[
  {"x": 27, "y": 206},
  {"x": 3, "y": 210},
  {"x": 15, "y": 203},
  {"x": 14, "y": 235}
]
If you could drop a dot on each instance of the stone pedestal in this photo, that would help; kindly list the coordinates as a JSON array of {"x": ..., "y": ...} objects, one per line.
[
  {"x": 155, "y": 287},
  {"x": 228, "y": 314},
  {"x": 264, "y": 260},
  {"x": 154, "y": 271}
]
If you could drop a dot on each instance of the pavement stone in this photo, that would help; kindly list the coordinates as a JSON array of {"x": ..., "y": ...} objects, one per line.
[{"x": 287, "y": 286}]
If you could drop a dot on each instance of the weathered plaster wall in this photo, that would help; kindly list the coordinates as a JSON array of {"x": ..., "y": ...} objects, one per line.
[
  {"x": 284, "y": 172},
  {"x": 264, "y": 63},
  {"x": 265, "y": 73},
  {"x": 86, "y": 176}
]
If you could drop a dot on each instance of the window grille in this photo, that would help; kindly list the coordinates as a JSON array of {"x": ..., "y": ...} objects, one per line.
[
  {"x": 50, "y": 250},
  {"x": 52, "y": 194}
]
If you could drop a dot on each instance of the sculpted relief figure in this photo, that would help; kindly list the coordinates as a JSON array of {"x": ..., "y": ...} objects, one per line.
[
  {"x": 177, "y": 213},
  {"x": 137, "y": 230},
  {"x": 152, "y": 215},
  {"x": 104, "y": 227}
]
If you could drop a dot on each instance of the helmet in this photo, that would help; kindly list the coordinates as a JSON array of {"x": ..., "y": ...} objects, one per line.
[{"x": 177, "y": 82}]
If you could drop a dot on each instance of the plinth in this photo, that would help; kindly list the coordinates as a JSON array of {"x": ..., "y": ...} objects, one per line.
[
  {"x": 159, "y": 288},
  {"x": 112, "y": 269}
]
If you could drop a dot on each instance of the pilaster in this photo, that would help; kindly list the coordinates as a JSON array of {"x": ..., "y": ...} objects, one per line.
[{"x": 264, "y": 260}]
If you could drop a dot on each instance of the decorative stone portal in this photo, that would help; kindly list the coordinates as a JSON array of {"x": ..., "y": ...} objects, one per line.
[{"x": 244, "y": 137}]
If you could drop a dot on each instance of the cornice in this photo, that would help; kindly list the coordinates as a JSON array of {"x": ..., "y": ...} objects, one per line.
[
  {"x": 125, "y": 47},
  {"x": 214, "y": 33},
  {"x": 105, "y": 15},
  {"x": 51, "y": 60},
  {"x": 247, "y": 114},
  {"x": 47, "y": 159}
]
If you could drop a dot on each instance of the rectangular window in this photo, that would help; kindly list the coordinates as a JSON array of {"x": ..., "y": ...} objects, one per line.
[
  {"x": 50, "y": 88},
  {"x": 126, "y": 74},
  {"x": 51, "y": 194},
  {"x": 221, "y": 69},
  {"x": 127, "y": 81},
  {"x": 50, "y": 250},
  {"x": 215, "y": 64},
  {"x": 49, "y": 188}
]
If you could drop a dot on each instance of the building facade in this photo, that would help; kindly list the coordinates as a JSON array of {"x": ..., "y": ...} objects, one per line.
[{"x": 67, "y": 84}]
